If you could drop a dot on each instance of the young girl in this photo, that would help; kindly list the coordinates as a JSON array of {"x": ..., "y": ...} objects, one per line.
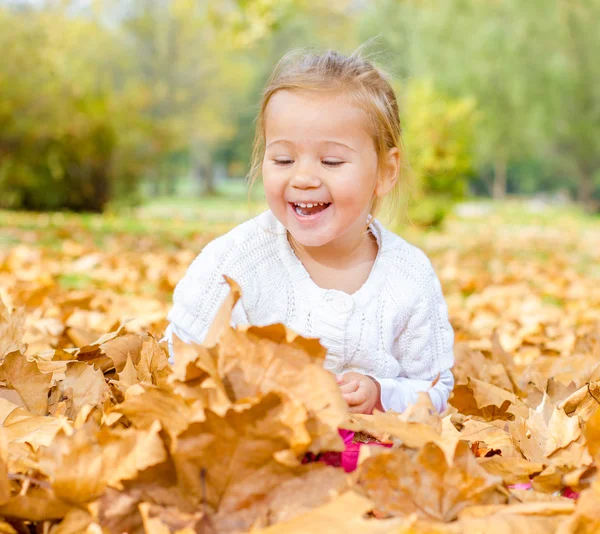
[{"x": 327, "y": 146}]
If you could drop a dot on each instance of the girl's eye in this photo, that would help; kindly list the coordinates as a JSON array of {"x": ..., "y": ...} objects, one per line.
[
  {"x": 332, "y": 163},
  {"x": 283, "y": 162}
]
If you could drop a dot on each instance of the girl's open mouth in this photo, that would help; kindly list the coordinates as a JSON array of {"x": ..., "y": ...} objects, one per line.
[{"x": 308, "y": 209}]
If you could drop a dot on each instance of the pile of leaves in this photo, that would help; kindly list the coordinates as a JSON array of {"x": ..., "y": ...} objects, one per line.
[
  {"x": 108, "y": 437},
  {"x": 100, "y": 434}
]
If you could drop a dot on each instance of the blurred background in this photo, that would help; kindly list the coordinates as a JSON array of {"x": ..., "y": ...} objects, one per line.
[
  {"x": 108, "y": 105},
  {"x": 126, "y": 129}
]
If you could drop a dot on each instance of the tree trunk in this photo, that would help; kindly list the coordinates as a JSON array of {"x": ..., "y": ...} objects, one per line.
[
  {"x": 209, "y": 179},
  {"x": 204, "y": 174},
  {"x": 499, "y": 189},
  {"x": 585, "y": 190}
]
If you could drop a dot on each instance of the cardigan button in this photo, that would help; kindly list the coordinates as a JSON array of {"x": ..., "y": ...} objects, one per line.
[{"x": 343, "y": 303}]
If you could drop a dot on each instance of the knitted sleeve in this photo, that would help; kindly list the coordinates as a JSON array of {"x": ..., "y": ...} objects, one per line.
[
  {"x": 398, "y": 393},
  {"x": 425, "y": 350},
  {"x": 200, "y": 293}
]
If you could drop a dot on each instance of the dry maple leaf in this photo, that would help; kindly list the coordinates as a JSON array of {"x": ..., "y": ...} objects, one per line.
[
  {"x": 426, "y": 483},
  {"x": 513, "y": 470},
  {"x": 390, "y": 427},
  {"x": 221, "y": 459},
  {"x": 80, "y": 466},
  {"x": 37, "y": 504},
  {"x": 21, "y": 426},
  {"x": 248, "y": 363},
  {"x": 235, "y": 466},
  {"x": 346, "y": 514},
  {"x": 490, "y": 435},
  {"x": 549, "y": 435},
  {"x": 583, "y": 402},
  {"x": 145, "y": 404},
  {"x": 24, "y": 376},
  {"x": 12, "y": 329},
  {"x": 592, "y": 435},
  {"x": 487, "y": 401},
  {"x": 159, "y": 520}
]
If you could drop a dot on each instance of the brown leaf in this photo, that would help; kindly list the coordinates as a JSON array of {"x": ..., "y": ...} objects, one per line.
[
  {"x": 388, "y": 427},
  {"x": 592, "y": 435},
  {"x": 343, "y": 515},
  {"x": 120, "y": 348},
  {"x": 84, "y": 384},
  {"x": 583, "y": 402},
  {"x": 222, "y": 320},
  {"x": 148, "y": 404},
  {"x": 152, "y": 361},
  {"x": 473, "y": 364},
  {"x": 26, "y": 379},
  {"x": 230, "y": 462},
  {"x": 513, "y": 470},
  {"x": 275, "y": 359},
  {"x": 159, "y": 520},
  {"x": 310, "y": 489},
  {"x": 82, "y": 465},
  {"x": 38, "y": 504},
  {"x": 75, "y": 521},
  {"x": 490, "y": 434},
  {"x": 128, "y": 375},
  {"x": 427, "y": 484},
  {"x": 22, "y": 426},
  {"x": 487, "y": 401},
  {"x": 12, "y": 330},
  {"x": 423, "y": 411}
]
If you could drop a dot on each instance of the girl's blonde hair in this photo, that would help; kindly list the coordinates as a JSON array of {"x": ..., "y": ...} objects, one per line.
[{"x": 355, "y": 77}]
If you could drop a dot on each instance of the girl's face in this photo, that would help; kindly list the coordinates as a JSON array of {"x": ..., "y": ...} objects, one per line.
[{"x": 320, "y": 154}]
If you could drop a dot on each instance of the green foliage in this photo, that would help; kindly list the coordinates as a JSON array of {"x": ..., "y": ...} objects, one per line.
[
  {"x": 66, "y": 139},
  {"x": 430, "y": 212},
  {"x": 97, "y": 97},
  {"x": 439, "y": 135}
]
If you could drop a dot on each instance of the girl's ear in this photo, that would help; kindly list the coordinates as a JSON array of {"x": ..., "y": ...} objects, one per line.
[{"x": 389, "y": 173}]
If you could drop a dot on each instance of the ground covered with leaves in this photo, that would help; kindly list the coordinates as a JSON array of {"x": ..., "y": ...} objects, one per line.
[{"x": 101, "y": 435}]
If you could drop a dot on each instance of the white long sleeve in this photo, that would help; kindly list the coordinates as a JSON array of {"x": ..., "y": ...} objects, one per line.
[
  {"x": 398, "y": 393},
  {"x": 395, "y": 328}
]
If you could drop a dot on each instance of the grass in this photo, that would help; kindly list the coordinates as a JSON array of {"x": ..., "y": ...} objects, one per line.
[{"x": 165, "y": 218}]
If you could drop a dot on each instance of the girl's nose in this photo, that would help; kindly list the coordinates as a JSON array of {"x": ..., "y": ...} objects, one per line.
[{"x": 305, "y": 177}]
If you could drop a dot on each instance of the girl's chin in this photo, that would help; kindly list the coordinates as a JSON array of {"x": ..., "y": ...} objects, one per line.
[{"x": 311, "y": 238}]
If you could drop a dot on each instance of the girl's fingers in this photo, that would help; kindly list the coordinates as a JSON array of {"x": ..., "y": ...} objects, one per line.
[
  {"x": 358, "y": 408},
  {"x": 349, "y": 387},
  {"x": 356, "y": 398}
]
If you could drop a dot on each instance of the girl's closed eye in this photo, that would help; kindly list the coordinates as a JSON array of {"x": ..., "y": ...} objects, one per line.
[
  {"x": 333, "y": 162},
  {"x": 283, "y": 161}
]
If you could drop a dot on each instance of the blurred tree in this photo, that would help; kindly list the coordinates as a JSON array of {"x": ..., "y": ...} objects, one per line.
[
  {"x": 439, "y": 137},
  {"x": 530, "y": 65},
  {"x": 566, "y": 44},
  {"x": 59, "y": 121},
  {"x": 439, "y": 134}
]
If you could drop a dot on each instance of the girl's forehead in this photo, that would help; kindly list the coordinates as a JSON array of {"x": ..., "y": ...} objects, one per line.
[{"x": 310, "y": 113}]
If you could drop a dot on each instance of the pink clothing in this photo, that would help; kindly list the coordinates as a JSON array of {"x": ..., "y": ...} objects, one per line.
[
  {"x": 565, "y": 492},
  {"x": 348, "y": 458}
]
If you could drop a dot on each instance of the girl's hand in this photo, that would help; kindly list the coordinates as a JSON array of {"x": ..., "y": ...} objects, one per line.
[{"x": 361, "y": 393}]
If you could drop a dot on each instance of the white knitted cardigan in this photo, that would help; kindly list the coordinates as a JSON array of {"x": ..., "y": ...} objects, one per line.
[{"x": 394, "y": 328}]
